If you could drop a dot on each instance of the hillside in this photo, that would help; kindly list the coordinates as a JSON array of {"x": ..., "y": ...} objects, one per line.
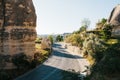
[{"x": 101, "y": 47}]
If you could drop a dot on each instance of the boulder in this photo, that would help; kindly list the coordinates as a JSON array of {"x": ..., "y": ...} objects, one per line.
[
  {"x": 17, "y": 27},
  {"x": 114, "y": 20}
]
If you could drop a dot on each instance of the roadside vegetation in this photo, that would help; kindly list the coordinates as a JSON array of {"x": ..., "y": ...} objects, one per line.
[
  {"x": 59, "y": 38},
  {"x": 100, "y": 48}
]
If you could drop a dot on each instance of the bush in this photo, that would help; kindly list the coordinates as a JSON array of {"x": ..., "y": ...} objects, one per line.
[
  {"x": 75, "y": 40},
  {"x": 38, "y": 40},
  {"x": 20, "y": 60},
  {"x": 92, "y": 47},
  {"x": 106, "y": 32},
  {"x": 59, "y": 38},
  {"x": 108, "y": 65}
]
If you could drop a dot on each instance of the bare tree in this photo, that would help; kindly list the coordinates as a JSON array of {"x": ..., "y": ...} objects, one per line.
[{"x": 85, "y": 22}]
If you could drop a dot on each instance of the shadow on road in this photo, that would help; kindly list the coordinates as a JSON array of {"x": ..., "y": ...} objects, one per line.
[
  {"x": 55, "y": 45},
  {"x": 66, "y": 55},
  {"x": 61, "y": 52},
  {"x": 45, "y": 72},
  {"x": 48, "y": 71}
]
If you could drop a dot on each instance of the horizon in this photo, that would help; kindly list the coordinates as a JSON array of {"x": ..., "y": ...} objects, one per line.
[{"x": 61, "y": 16}]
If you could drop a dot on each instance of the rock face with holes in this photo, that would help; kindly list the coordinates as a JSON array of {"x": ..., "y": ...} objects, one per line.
[
  {"x": 17, "y": 27},
  {"x": 114, "y": 20}
]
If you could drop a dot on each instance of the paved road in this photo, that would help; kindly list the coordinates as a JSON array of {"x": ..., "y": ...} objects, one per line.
[{"x": 52, "y": 68}]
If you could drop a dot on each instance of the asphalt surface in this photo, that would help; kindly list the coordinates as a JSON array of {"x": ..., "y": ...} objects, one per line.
[{"x": 52, "y": 68}]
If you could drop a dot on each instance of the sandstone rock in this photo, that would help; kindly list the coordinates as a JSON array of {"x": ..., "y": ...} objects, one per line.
[
  {"x": 17, "y": 27},
  {"x": 114, "y": 20}
]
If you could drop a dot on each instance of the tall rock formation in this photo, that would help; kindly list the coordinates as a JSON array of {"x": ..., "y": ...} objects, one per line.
[
  {"x": 17, "y": 27},
  {"x": 114, "y": 20}
]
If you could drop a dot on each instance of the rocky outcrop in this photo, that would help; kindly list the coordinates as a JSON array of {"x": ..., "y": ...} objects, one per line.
[
  {"x": 114, "y": 20},
  {"x": 17, "y": 27}
]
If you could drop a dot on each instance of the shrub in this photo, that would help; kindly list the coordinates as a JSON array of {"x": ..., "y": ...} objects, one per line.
[
  {"x": 36, "y": 61},
  {"x": 108, "y": 64},
  {"x": 75, "y": 40},
  {"x": 38, "y": 40},
  {"x": 92, "y": 47},
  {"x": 59, "y": 38},
  {"x": 20, "y": 60},
  {"x": 100, "y": 24}
]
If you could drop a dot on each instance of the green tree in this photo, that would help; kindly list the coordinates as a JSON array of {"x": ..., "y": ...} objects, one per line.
[
  {"x": 103, "y": 21},
  {"x": 59, "y": 38},
  {"x": 100, "y": 24}
]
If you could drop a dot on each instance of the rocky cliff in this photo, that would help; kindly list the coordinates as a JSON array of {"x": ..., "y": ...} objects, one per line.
[
  {"x": 114, "y": 20},
  {"x": 17, "y": 27}
]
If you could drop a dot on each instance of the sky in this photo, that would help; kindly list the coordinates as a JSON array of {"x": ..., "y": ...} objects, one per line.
[{"x": 63, "y": 16}]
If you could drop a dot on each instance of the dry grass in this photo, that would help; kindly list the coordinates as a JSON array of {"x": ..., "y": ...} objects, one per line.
[
  {"x": 91, "y": 60},
  {"x": 40, "y": 50},
  {"x": 112, "y": 41},
  {"x": 37, "y": 46}
]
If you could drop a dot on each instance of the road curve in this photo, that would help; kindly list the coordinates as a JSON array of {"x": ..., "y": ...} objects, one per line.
[{"x": 52, "y": 68}]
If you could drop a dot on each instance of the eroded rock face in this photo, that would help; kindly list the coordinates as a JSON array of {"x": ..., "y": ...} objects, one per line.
[
  {"x": 114, "y": 20},
  {"x": 17, "y": 26},
  {"x": 115, "y": 16}
]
